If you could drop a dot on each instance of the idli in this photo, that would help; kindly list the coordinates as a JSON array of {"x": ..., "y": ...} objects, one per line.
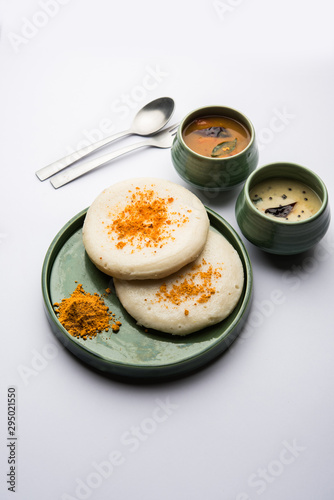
[
  {"x": 144, "y": 228},
  {"x": 201, "y": 294}
]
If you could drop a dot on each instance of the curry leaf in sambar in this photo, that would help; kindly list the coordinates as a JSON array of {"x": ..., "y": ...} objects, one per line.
[
  {"x": 213, "y": 132},
  {"x": 224, "y": 148}
]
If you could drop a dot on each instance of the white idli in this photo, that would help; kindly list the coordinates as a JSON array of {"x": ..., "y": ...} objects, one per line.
[
  {"x": 201, "y": 294},
  {"x": 144, "y": 228}
]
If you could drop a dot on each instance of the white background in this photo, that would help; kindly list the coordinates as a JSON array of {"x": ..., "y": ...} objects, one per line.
[{"x": 256, "y": 423}]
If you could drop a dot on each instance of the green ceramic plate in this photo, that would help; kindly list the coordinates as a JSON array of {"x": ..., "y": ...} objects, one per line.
[{"x": 132, "y": 352}]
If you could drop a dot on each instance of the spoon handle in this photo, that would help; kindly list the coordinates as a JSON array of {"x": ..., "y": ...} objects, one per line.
[
  {"x": 79, "y": 170},
  {"x": 57, "y": 166}
]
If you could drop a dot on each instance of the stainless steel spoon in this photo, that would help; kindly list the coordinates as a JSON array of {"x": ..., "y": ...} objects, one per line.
[
  {"x": 149, "y": 120},
  {"x": 163, "y": 139}
]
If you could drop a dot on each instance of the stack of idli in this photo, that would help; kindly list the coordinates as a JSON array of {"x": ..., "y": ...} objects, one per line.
[{"x": 171, "y": 271}]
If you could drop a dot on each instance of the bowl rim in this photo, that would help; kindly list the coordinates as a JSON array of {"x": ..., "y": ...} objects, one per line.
[
  {"x": 210, "y": 158},
  {"x": 283, "y": 221}
]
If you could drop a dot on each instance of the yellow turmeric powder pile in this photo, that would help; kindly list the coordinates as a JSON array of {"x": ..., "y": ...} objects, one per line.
[
  {"x": 84, "y": 315},
  {"x": 145, "y": 220}
]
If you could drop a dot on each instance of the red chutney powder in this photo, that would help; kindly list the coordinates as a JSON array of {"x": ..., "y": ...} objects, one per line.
[
  {"x": 197, "y": 284},
  {"x": 146, "y": 221}
]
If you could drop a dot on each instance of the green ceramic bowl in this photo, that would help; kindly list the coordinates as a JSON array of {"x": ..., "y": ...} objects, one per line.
[
  {"x": 279, "y": 236},
  {"x": 214, "y": 174},
  {"x": 135, "y": 353}
]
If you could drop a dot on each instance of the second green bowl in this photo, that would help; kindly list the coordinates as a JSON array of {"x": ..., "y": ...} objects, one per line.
[{"x": 278, "y": 235}]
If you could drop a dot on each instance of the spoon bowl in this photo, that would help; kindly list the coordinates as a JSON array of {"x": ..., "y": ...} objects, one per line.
[{"x": 153, "y": 117}]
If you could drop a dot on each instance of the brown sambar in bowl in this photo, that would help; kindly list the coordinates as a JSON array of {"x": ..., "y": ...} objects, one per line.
[{"x": 216, "y": 136}]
